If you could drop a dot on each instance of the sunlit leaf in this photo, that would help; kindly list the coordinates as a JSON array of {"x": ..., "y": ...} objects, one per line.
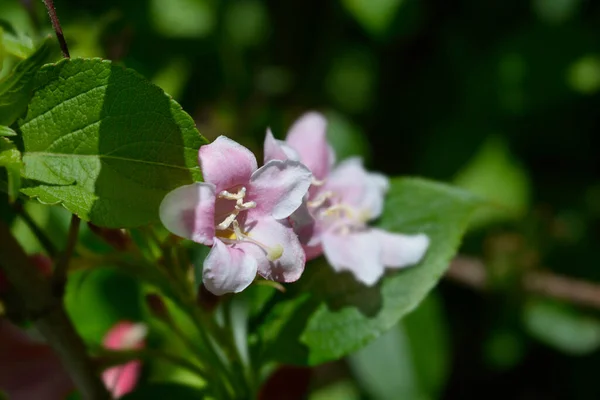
[
  {"x": 106, "y": 143},
  {"x": 16, "y": 88}
]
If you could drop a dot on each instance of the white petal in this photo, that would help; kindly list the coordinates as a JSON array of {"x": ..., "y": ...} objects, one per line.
[
  {"x": 358, "y": 253},
  {"x": 189, "y": 212},
  {"x": 228, "y": 269},
  {"x": 398, "y": 250}
]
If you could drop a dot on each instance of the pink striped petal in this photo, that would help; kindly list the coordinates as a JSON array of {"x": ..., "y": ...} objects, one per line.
[{"x": 226, "y": 164}]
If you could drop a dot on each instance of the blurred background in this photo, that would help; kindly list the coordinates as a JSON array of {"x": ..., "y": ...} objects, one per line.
[{"x": 500, "y": 97}]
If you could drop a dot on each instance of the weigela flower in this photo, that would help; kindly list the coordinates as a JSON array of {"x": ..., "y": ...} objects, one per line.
[
  {"x": 341, "y": 201},
  {"x": 242, "y": 212},
  {"x": 121, "y": 379}
]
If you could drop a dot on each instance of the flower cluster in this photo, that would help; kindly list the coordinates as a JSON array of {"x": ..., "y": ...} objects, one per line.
[{"x": 297, "y": 206}]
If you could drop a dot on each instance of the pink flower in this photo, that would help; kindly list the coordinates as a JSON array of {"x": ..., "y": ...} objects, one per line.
[
  {"x": 342, "y": 200},
  {"x": 121, "y": 379},
  {"x": 29, "y": 369},
  {"x": 242, "y": 212}
]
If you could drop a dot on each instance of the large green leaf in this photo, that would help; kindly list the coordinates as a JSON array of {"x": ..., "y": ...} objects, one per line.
[
  {"x": 106, "y": 143},
  {"x": 15, "y": 89},
  {"x": 328, "y": 315}
]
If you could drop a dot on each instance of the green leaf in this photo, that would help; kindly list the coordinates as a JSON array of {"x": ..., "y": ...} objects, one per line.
[
  {"x": 328, "y": 315},
  {"x": 495, "y": 175},
  {"x": 15, "y": 89},
  {"x": 98, "y": 299},
  {"x": 562, "y": 327},
  {"x": 375, "y": 16},
  {"x": 10, "y": 158},
  {"x": 106, "y": 143},
  {"x": 160, "y": 391},
  {"x": 183, "y": 18},
  {"x": 410, "y": 361},
  {"x": 6, "y": 131}
]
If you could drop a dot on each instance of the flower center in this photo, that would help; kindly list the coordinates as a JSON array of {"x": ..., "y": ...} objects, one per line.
[
  {"x": 329, "y": 208},
  {"x": 229, "y": 230}
]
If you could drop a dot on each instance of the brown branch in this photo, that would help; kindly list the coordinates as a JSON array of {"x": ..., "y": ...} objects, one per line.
[
  {"x": 59, "y": 278},
  {"x": 47, "y": 313},
  {"x": 57, "y": 28},
  {"x": 472, "y": 272}
]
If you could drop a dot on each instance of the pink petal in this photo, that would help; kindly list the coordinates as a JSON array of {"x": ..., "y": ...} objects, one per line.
[
  {"x": 121, "y": 379},
  {"x": 29, "y": 369},
  {"x": 358, "y": 188},
  {"x": 278, "y": 188},
  {"x": 226, "y": 163},
  {"x": 400, "y": 250},
  {"x": 308, "y": 137},
  {"x": 278, "y": 149},
  {"x": 189, "y": 212},
  {"x": 228, "y": 269},
  {"x": 278, "y": 237},
  {"x": 359, "y": 253}
]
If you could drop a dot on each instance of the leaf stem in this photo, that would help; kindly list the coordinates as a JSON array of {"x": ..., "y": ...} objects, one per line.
[
  {"x": 59, "y": 278},
  {"x": 57, "y": 28},
  {"x": 39, "y": 234}
]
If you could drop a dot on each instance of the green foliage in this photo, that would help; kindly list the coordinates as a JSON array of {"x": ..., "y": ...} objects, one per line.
[
  {"x": 183, "y": 18},
  {"x": 562, "y": 327},
  {"x": 495, "y": 175},
  {"x": 98, "y": 299},
  {"x": 15, "y": 89},
  {"x": 162, "y": 391},
  {"x": 6, "y": 131},
  {"x": 328, "y": 315},
  {"x": 375, "y": 16},
  {"x": 10, "y": 158},
  {"x": 105, "y": 143}
]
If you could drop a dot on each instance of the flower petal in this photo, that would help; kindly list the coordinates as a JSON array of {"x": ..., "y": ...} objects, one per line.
[
  {"x": 189, "y": 212},
  {"x": 278, "y": 149},
  {"x": 308, "y": 137},
  {"x": 278, "y": 188},
  {"x": 398, "y": 250},
  {"x": 359, "y": 253},
  {"x": 226, "y": 163},
  {"x": 228, "y": 269},
  {"x": 279, "y": 237},
  {"x": 358, "y": 188},
  {"x": 122, "y": 379}
]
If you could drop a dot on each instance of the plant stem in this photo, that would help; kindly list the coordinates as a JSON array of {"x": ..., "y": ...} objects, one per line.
[
  {"x": 57, "y": 28},
  {"x": 59, "y": 278},
  {"x": 39, "y": 234},
  {"x": 48, "y": 314}
]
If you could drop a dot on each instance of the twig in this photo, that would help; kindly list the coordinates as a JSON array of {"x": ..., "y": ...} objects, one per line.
[
  {"x": 48, "y": 314},
  {"x": 472, "y": 272},
  {"x": 59, "y": 278},
  {"x": 39, "y": 234},
  {"x": 57, "y": 28}
]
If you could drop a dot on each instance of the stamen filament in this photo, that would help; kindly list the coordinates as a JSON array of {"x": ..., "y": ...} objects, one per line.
[{"x": 322, "y": 198}]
